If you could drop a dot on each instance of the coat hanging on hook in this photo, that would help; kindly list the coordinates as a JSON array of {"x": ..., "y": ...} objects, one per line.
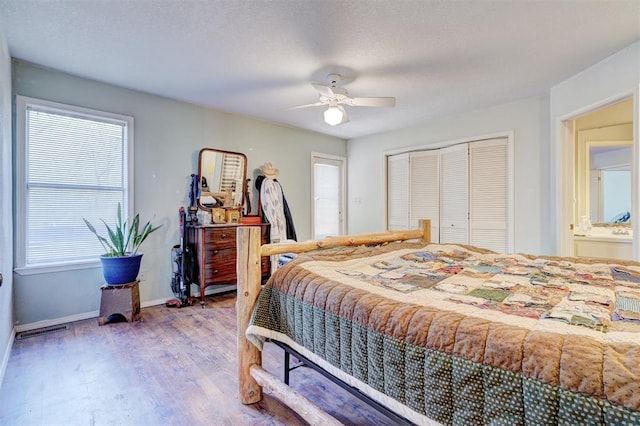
[{"x": 273, "y": 204}]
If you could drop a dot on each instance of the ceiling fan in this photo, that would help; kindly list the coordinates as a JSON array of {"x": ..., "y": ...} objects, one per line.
[{"x": 335, "y": 97}]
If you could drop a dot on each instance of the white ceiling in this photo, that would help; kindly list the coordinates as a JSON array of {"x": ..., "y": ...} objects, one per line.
[{"x": 257, "y": 57}]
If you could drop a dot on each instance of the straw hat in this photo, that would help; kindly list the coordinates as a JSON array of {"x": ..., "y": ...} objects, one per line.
[{"x": 269, "y": 171}]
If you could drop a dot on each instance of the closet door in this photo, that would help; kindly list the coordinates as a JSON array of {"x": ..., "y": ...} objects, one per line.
[
  {"x": 398, "y": 192},
  {"x": 454, "y": 194},
  {"x": 489, "y": 194},
  {"x": 424, "y": 191}
]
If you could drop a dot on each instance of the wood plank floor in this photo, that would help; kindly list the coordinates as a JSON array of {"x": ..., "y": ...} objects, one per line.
[{"x": 175, "y": 367}]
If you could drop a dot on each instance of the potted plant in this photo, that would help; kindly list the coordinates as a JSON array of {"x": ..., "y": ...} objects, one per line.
[{"x": 121, "y": 262}]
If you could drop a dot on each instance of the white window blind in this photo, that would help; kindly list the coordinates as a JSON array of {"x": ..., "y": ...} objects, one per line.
[
  {"x": 232, "y": 173},
  {"x": 326, "y": 200},
  {"x": 75, "y": 166},
  {"x": 328, "y": 189}
]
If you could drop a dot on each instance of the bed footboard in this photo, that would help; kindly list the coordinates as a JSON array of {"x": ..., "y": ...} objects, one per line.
[{"x": 251, "y": 376}]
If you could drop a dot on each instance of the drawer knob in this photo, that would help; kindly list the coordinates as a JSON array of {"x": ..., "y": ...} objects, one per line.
[
  {"x": 215, "y": 272},
  {"x": 214, "y": 252},
  {"x": 223, "y": 235}
]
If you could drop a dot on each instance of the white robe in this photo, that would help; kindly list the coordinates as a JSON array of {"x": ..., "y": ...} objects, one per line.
[{"x": 271, "y": 199}]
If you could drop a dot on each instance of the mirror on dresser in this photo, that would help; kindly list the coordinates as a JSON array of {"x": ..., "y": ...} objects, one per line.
[{"x": 222, "y": 176}]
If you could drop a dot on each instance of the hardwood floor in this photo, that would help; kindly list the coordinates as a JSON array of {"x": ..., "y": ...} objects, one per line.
[{"x": 175, "y": 367}]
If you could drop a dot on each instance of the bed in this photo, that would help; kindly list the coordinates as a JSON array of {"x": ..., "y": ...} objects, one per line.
[{"x": 447, "y": 334}]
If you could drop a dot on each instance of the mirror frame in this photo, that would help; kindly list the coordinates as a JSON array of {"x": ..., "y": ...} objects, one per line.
[{"x": 244, "y": 176}]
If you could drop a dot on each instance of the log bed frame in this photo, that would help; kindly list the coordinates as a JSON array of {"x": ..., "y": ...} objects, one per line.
[{"x": 252, "y": 378}]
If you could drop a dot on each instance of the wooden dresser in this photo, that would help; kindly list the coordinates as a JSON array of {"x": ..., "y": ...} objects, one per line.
[{"x": 215, "y": 250}]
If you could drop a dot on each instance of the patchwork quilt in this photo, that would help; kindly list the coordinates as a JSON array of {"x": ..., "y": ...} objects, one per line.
[{"x": 456, "y": 335}]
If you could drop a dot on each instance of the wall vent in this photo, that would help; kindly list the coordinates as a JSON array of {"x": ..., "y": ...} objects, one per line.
[{"x": 40, "y": 331}]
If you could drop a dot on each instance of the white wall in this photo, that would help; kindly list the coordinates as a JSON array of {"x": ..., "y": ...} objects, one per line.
[
  {"x": 526, "y": 118},
  {"x": 6, "y": 212},
  {"x": 168, "y": 137},
  {"x": 615, "y": 77}
]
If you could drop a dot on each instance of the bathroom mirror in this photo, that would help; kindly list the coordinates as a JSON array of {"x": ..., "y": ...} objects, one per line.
[
  {"x": 610, "y": 182},
  {"x": 604, "y": 182},
  {"x": 222, "y": 176}
]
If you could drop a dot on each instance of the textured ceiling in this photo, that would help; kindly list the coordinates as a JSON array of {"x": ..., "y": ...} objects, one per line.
[{"x": 257, "y": 58}]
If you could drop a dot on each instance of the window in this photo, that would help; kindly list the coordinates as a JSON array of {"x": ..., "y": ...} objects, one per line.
[{"x": 73, "y": 163}]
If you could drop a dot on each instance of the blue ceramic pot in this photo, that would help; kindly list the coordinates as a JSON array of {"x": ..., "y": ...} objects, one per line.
[{"x": 120, "y": 270}]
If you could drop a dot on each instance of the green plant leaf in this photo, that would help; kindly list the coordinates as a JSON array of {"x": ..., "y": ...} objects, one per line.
[{"x": 123, "y": 235}]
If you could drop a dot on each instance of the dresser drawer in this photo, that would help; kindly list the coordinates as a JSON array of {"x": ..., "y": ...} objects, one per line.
[
  {"x": 220, "y": 237},
  {"x": 217, "y": 274},
  {"x": 220, "y": 265}
]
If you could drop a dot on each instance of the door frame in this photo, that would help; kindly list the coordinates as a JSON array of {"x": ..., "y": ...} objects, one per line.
[{"x": 565, "y": 171}]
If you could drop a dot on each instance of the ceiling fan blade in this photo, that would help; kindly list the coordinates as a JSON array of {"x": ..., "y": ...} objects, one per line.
[
  {"x": 345, "y": 118},
  {"x": 308, "y": 105},
  {"x": 324, "y": 90},
  {"x": 373, "y": 102}
]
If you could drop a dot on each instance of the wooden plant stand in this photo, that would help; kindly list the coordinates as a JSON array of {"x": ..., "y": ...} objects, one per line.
[{"x": 121, "y": 299}]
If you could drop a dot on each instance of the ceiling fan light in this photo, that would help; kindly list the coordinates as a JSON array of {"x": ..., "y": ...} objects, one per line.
[{"x": 333, "y": 116}]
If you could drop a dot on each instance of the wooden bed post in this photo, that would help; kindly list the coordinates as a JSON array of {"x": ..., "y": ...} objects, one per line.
[
  {"x": 249, "y": 280},
  {"x": 426, "y": 230}
]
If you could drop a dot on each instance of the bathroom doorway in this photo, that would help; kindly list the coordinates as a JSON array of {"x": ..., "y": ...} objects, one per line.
[{"x": 598, "y": 148}]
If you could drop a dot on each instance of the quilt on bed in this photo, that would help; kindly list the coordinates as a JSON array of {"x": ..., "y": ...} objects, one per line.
[{"x": 460, "y": 335}]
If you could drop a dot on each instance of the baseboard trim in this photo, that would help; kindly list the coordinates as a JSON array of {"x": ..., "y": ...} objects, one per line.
[
  {"x": 94, "y": 314},
  {"x": 7, "y": 354},
  {"x": 56, "y": 321},
  {"x": 153, "y": 302}
]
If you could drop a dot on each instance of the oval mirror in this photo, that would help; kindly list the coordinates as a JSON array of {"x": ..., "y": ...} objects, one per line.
[{"x": 222, "y": 176}]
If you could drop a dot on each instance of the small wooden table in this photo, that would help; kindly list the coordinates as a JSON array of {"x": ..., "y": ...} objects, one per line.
[{"x": 120, "y": 299}]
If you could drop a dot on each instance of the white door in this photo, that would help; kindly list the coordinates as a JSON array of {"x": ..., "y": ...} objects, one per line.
[
  {"x": 454, "y": 194},
  {"x": 328, "y": 192},
  {"x": 398, "y": 192},
  {"x": 424, "y": 191},
  {"x": 489, "y": 194}
]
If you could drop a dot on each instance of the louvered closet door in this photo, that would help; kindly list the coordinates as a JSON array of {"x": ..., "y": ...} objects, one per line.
[
  {"x": 454, "y": 195},
  {"x": 424, "y": 191},
  {"x": 488, "y": 195},
  {"x": 398, "y": 191}
]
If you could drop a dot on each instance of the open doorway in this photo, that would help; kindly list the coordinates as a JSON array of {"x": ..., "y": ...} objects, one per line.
[{"x": 598, "y": 151}]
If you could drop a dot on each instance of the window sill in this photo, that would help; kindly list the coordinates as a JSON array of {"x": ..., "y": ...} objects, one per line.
[{"x": 58, "y": 267}]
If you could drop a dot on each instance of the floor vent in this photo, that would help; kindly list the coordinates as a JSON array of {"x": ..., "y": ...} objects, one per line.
[{"x": 40, "y": 331}]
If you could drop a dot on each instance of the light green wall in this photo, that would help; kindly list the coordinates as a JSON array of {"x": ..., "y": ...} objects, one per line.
[
  {"x": 527, "y": 118},
  {"x": 168, "y": 137},
  {"x": 6, "y": 235}
]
